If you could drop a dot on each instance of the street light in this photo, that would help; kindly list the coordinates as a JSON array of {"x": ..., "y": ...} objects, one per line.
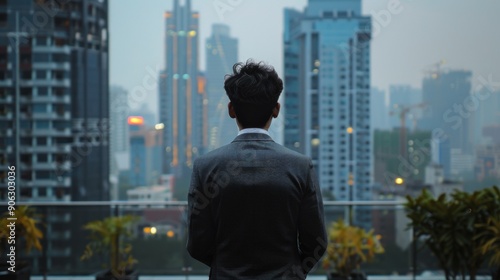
[{"x": 399, "y": 181}]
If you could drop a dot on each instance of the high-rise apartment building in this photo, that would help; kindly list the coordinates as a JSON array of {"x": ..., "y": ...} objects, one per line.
[
  {"x": 182, "y": 100},
  {"x": 54, "y": 83},
  {"x": 449, "y": 113},
  {"x": 327, "y": 94},
  {"x": 379, "y": 110},
  {"x": 221, "y": 54}
]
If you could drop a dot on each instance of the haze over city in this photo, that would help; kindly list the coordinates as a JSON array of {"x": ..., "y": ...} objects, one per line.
[{"x": 408, "y": 42}]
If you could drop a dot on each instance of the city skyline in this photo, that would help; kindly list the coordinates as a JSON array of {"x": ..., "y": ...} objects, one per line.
[{"x": 405, "y": 46}]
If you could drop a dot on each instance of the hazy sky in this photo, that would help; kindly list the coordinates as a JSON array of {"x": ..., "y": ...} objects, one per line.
[{"x": 465, "y": 33}]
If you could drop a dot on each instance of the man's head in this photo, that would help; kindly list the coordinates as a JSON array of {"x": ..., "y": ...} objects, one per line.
[{"x": 253, "y": 89}]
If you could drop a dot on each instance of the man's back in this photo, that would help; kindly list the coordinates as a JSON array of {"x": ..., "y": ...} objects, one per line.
[{"x": 255, "y": 211}]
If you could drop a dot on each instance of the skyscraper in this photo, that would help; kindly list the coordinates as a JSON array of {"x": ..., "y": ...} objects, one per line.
[
  {"x": 221, "y": 54},
  {"x": 379, "y": 118},
  {"x": 327, "y": 94},
  {"x": 181, "y": 101},
  {"x": 449, "y": 113},
  {"x": 56, "y": 62},
  {"x": 145, "y": 151}
]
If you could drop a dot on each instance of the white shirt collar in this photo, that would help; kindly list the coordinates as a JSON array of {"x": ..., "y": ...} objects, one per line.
[{"x": 253, "y": 130}]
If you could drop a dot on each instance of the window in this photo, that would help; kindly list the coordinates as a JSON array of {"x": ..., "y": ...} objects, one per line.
[
  {"x": 39, "y": 108},
  {"x": 26, "y": 192},
  {"x": 42, "y": 174},
  {"x": 41, "y": 57},
  {"x": 42, "y": 141},
  {"x": 26, "y": 75},
  {"x": 42, "y": 191},
  {"x": 3, "y": 19},
  {"x": 42, "y": 158},
  {"x": 41, "y": 74},
  {"x": 41, "y": 41},
  {"x": 42, "y": 124},
  {"x": 43, "y": 91}
]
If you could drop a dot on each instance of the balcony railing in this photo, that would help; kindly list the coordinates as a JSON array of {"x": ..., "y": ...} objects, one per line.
[{"x": 163, "y": 255}]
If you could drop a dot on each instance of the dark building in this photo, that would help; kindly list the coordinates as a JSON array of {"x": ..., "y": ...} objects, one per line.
[
  {"x": 63, "y": 150},
  {"x": 181, "y": 102}
]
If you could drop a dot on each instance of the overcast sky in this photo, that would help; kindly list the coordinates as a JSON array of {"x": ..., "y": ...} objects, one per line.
[{"x": 465, "y": 33}]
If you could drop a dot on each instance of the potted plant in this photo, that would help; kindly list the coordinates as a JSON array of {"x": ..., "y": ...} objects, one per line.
[
  {"x": 349, "y": 247},
  {"x": 27, "y": 234},
  {"x": 109, "y": 237},
  {"x": 491, "y": 231},
  {"x": 451, "y": 228}
]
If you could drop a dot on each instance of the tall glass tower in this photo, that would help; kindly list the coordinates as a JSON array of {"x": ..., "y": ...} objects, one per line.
[
  {"x": 54, "y": 110},
  {"x": 221, "y": 53},
  {"x": 182, "y": 97},
  {"x": 327, "y": 94}
]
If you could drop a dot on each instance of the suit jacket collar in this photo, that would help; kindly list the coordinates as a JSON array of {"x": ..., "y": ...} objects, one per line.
[{"x": 253, "y": 137}]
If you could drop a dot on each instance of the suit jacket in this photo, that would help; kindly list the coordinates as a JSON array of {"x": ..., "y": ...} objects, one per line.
[{"x": 255, "y": 211}]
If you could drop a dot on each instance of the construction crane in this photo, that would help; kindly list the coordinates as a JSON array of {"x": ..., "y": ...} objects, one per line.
[
  {"x": 402, "y": 111},
  {"x": 434, "y": 70}
]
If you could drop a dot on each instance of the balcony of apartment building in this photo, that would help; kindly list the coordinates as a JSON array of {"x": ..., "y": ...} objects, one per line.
[{"x": 159, "y": 238}]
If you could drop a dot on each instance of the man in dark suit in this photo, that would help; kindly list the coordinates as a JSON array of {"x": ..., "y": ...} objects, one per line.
[{"x": 255, "y": 207}]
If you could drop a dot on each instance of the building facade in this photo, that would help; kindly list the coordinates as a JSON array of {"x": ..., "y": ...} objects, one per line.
[
  {"x": 182, "y": 104},
  {"x": 145, "y": 153},
  {"x": 54, "y": 69},
  {"x": 221, "y": 53},
  {"x": 327, "y": 95}
]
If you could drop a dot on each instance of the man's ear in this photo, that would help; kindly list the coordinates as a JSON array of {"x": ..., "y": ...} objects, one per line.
[
  {"x": 230, "y": 110},
  {"x": 276, "y": 110}
]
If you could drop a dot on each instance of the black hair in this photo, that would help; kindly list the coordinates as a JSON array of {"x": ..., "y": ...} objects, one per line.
[{"x": 254, "y": 89}]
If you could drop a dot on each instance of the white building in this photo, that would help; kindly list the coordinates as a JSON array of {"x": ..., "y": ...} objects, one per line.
[{"x": 153, "y": 194}]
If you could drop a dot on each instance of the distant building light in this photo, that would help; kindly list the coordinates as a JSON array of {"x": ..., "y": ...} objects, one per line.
[
  {"x": 181, "y": 33},
  {"x": 399, "y": 181},
  {"x": 176, "y": 76},
  {"x": 159, "y": 126},
  {"x": 349, "y": 130},
  {"x": 315, "y": 142},
  {"x": 185, "y": 76},
  {"x": 317, "y": 63},
  {"x": 153, "y": 230},
  {"x": 135, "y": 120},
  {"x": 170, "y": 233},
  {"x": 192, "y": 33}
]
